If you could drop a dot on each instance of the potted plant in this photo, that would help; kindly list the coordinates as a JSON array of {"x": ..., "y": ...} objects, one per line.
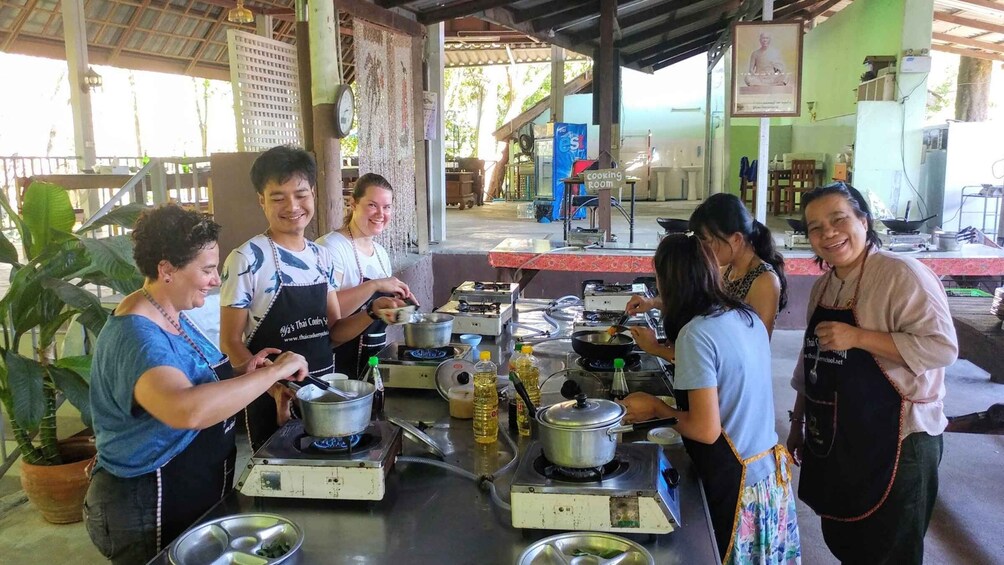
[{"x": 47, "y": 292}]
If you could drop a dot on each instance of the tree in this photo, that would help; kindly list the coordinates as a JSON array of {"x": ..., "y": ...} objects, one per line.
[
  {"x": 203, "y": 89},
  {"x": 972, "y": 95},
  {"x": 135, "y": 114}
]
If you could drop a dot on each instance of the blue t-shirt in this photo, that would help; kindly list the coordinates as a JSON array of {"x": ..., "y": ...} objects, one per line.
[
  {"x": 130, "y": 441},
  {"x": 726, "y": 353}
]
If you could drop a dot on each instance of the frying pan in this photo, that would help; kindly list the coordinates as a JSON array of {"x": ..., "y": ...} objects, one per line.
[
  {"x": 674, "y": 225},
  {"x": 905, "y": 225},
  {"x": 599, "y": 345},
  {"x": 796, "y": 224}
]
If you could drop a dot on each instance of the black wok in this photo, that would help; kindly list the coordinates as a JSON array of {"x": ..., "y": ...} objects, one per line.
[
  {"x": 674, "y": 225},
  {"x": 796, "y": 224},
  {"x": 904, "y": 226},
  {"x": 601, "y": 346}
]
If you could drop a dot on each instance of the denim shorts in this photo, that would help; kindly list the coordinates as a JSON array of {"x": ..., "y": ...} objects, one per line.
[{"x": 121, "y": 517}]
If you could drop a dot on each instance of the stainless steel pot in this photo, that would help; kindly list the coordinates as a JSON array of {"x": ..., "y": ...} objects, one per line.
[
  {"x": 582, "y": 433},
  {"x": 948, "y": 241},
  {"x": 428, "y": 330},
  {"x": 326, "y": 414}
]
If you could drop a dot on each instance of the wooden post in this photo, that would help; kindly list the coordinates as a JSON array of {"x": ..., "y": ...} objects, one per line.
[
  {"x": 75, "y": 39},
  {"x": 263, "y": 25},
  {"x": 303, "y": 72},
  {"x": 557, "y": 83},
  {"x": 322, "y": 22},
  {"x": 436, "y": 164},
  {"x": 608, "y": 12},
  {"x": 421, "y": 168}
]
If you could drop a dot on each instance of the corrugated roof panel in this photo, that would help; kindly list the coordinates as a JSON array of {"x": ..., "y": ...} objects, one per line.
[
  {"x": 47, "y": 5},
  {"x": 186, "y": 27},
  {"x": 92, "y": 32},
  {"x": 214, "y": 53},
  {"x": 168, "y": 22},
  {"x": 97, "y": 9},
  {"x": 7, "y": 16},
  {"x": 147, "y": 19},
  {"x": 122, "y": 13},
  {"x": 110, "y": 35},
  {"x": 35, "y": 23}
]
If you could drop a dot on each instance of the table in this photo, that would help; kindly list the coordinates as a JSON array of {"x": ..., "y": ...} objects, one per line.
[
  {"x": 779, "y": 176},
  {"x": 981, "y": 339}
]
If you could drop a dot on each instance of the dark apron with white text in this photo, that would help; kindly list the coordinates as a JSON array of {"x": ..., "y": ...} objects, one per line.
[
  {"x": 198, "y": 477},
  {"x": 351, "y": 356},
  {"x": 297, "y": 321},
  {"x": 852, "y": 424}
]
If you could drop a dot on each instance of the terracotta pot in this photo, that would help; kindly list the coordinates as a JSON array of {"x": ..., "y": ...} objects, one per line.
[{"x": 58, "y": 490}]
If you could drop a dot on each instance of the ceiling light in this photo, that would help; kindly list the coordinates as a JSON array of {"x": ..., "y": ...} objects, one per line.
[
  {"x": 92, "y": 80},
  {"x": 240, "y": 14}
]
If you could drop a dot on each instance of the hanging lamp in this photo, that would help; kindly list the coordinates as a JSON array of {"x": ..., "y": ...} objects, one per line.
[{"x": 239, "y": 14}]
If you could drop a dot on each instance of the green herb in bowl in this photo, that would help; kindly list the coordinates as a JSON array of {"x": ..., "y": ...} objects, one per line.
[{"x": 277, "y": 548}]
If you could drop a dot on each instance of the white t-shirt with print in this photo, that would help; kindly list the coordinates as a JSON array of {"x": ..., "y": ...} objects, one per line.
[
  {"x": 250, "y": 279},
  {"x": 376, "y": 266}
]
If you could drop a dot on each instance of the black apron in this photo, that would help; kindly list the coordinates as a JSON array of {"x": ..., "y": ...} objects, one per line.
[
  {"x": 198, "y": 477},
  {"x": 351, "y": 356},
  {"x": 723, "y": 474},
  {"x": 852, "y": 423},
  {"x": 297, "y": 321}
]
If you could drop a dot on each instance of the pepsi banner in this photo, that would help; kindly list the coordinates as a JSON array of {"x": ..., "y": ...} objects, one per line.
[{"x": 569, "y": 146}]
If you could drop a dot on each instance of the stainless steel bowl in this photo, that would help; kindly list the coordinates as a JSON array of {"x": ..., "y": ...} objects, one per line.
[
  {"x": 328, "y": 415},
  {"x": 236, "y": 539},
  {"x": 586, "y": 548},
  {"x": 429, "y": 330}
]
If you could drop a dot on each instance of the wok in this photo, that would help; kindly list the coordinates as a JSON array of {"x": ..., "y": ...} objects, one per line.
[
  {"x": 601, "y": 346},
  {"x": 903, "y": 226},
  {"x": 796, "y": 224},
  {"x": 674, "y": 225}
]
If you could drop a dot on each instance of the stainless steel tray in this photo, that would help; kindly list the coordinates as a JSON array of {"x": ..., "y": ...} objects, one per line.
[
  {"x": 585, "y": 548},
  {"x": 236, "y": 539}
]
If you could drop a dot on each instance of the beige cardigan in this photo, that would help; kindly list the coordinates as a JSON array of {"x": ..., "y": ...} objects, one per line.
[{"x": 901, "y": 296}]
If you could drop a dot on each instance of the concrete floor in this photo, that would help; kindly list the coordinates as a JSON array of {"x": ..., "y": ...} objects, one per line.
[{"x": 965, "y": 528}]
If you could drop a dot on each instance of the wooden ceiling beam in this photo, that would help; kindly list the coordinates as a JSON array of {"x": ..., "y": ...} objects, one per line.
[
  {"x": 789, "y": 10},
  {"x": 546, "y": 9},
  {"x": 504, "y": 18},
  {"x": 592, "y": 32},
  {"x": 998, "y": 47},
  {"x": 680, "y": 57},
  {"x": 656, "y": 53},
  {"x": 662, "y": 28},
  {"x": 375, "y": 14},
  {"x": 393, "y": 3},
  {"x": 674, "y": 41},
  {"x": 821, "y": 9},
  {"x": 205, "y": 41},
  {"x": 458, "y": 10},
  {"x": 568, "y": 16},
  {"x": 986, "y": 4},
  {"x": 130, "y": 29},
  {"x": 968, "y": 22},
  {"x": 22, "y": 17},
  {"x": 967, "y": 52}
]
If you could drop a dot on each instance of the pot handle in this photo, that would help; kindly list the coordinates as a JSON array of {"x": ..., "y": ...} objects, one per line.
[
  {"x": 642, "y": 426},
  {"x": 517, "y": 383}
]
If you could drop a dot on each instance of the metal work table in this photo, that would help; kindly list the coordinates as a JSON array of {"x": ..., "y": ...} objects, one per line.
[{"x": 430, "y": 515}]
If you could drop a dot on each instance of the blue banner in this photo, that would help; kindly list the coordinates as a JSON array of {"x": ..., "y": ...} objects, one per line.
[{"x": 569, "y": 145}]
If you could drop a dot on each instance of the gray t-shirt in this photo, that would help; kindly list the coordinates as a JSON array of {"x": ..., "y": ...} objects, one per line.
[{"x": 725, "y": 352}]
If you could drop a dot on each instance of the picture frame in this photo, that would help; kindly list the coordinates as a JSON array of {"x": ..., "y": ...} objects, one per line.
[{"x": 767, "y": 69}]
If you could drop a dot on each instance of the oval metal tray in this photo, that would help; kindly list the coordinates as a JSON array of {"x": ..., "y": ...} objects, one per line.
[
  {"x": 585, "y": 548},
  {"x": 236, "y": 539}
]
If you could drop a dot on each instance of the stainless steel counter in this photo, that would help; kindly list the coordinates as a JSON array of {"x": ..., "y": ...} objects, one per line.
[{"x": 430, "y": 515}]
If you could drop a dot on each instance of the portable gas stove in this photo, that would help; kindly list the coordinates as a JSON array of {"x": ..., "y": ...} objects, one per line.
[
  {"x": 905, "y": 242},
  {"x": 483, "y": 292},
  {"x": 599, "y": 320},
  {"x": 293, "y": 464},
  {"x": 610, "y": 297},
  {"x": 643, "y": 372},
  {"x": 405, "y": 367},
  {"x": 634, "y": 493},
  {"x": 482, "y": 318},
  {"x": 796, "y": 240}
]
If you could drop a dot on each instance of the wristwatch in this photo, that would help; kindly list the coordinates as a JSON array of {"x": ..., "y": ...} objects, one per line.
[{"x": 370, "y": 312}]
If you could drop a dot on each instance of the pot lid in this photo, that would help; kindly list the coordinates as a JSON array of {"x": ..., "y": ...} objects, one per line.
[{"x": 583, "y": 413}]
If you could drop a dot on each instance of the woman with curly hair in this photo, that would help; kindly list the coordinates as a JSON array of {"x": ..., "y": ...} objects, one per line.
[{"x": 163, "y": 396}]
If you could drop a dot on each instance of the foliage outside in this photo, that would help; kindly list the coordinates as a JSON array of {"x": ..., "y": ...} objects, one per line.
[{"x": 46, "y": 293}]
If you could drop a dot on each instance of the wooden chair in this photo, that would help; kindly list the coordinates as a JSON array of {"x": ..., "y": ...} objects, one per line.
[
  {"x": 747, "y": 192},
  {"x": 803, "y": 179}
]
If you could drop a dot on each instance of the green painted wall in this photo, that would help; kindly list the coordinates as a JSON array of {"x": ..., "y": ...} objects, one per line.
[
  {"x": 745, "y": 140},
  {"x": 833, "y": 53}
]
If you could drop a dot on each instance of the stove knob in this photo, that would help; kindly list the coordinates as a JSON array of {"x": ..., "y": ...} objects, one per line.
[
  {"x": 463, "y": 377},
  {"x": 672, "y": 477}
]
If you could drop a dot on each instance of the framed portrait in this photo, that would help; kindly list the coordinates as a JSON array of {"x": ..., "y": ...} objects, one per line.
[{"x": 766, "y": 69}]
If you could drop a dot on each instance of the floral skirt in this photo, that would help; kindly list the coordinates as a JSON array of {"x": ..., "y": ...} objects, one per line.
[{"x": 767, "y": 528}]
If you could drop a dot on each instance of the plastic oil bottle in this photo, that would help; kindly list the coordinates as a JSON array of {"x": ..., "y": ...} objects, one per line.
[
  {"x": 529, "y": 372},
  {"x": 486, "y": 400},
  {"x": 373, "y": 377}
]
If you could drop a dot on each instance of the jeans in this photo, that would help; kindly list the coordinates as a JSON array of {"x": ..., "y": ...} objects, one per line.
[
  {"x": 121, "y": 517},
  {"x": 894, "y": 533}
]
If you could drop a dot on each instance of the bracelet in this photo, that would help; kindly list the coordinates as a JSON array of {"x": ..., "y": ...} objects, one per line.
[
  {"x": 370, "y": 312},
  {"x": 792, "y": 418}
]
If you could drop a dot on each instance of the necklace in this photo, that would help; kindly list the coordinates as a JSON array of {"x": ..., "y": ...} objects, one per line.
[
  {"x": 359, "y": 265},
  {"x": 175, "y": 324}
]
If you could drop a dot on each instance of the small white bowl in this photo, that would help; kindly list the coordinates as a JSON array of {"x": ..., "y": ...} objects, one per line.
[{"x": 665, "y": 436}]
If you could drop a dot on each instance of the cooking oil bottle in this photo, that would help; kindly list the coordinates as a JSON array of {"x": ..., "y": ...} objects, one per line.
[
  {"x": 529, "y": 372},
  {"x": 486, "y": 400}
]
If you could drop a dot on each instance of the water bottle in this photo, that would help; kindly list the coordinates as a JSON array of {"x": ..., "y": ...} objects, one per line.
[
  {"x": 373, "y": 376},
  {"x": 486, "y": 400},
  {"x": 619, "y": 389}
]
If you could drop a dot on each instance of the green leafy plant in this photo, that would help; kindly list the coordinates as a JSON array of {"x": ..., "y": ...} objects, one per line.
[{"x": 47, "y": 291}]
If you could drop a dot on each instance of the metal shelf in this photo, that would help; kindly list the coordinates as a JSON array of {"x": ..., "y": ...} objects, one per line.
[{"x": 995, "y": 215}]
